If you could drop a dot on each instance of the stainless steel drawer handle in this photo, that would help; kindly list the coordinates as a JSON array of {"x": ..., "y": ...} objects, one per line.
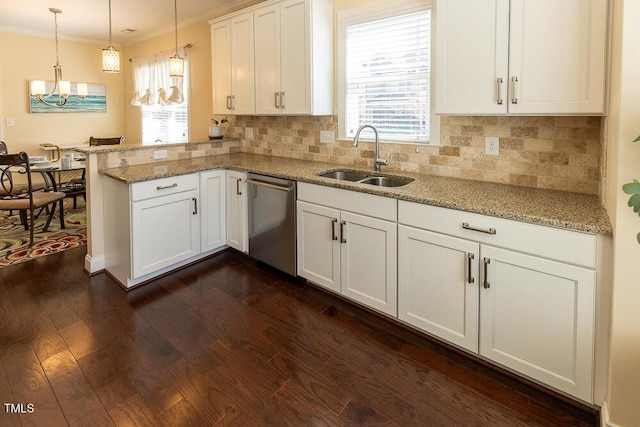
[
  {"x": 514, "y": 82},
  {"x": 499, "y": 82},
  {"x": 164, "y": 187},
  {"x": 342, "y": 238},
  {"x": 238, "y": 192},
  {"x": 268, "y": 185},
  {"x": 277, "y": 102},
  {"x": 470, "y": 258},
  {"x": 466, "y": 226},
  {"x": 282, "y": 100},
  {"x": 333, "y": 229},
  {"x": 485, "y": 282}
]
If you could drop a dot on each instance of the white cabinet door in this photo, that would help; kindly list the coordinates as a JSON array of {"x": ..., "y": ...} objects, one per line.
[
  {"x": 242, "y": 65},
  {"x": 164, "y": 231},
  {"x": 368, "y": 261},
  {"x": 318, "y": 244},
  {"x": 557, "y": 54},
  {"x": 471, "y": 56},
  {"x": 537, "y": 317},
  {"x": 237, "y": 215},
  {"x": 295, "y": 56},
  {"x": 213, "y": 232},
  {"x": 221, "y": 66},
  {"x": 438, "y": 285},
  {"x": 267, "y": 59},
  {"x": 520, "y": 56}
]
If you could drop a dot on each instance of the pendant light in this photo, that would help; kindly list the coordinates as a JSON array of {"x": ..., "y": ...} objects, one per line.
[
  {"x": 110, "y": 55},
  {"x": 176, "y": 63}
]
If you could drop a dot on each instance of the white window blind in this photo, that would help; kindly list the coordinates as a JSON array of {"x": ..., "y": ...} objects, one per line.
[{"x": 387, "y": 76}]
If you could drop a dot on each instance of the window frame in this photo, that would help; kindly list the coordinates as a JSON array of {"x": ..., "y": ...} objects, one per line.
[{"x": 372, "y": 12}]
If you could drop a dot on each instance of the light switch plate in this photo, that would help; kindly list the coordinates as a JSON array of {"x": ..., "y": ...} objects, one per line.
[
  {"x": 248, "y": 133},
  {"x": 327, "y": 136},
  {"x": 10, "y": 122},
  {"x": 160, "y": 154}
]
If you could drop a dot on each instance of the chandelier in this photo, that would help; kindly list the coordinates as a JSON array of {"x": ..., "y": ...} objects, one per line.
[{"x": 60, "y": 95}]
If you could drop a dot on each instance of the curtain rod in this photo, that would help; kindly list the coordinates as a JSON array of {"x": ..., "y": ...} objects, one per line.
[{"x": 186, "y": 46}]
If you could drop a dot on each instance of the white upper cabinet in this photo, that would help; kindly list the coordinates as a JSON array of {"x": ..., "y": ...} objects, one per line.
[
  {"x": 520, "y": 56},
  {"x": 233, "y": 65},
  {"x": 292, "y": 46}
]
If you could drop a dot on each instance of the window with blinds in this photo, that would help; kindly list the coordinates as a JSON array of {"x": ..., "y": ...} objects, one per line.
[
  {"x": 386, "y": 66},
  {"x": 167, "y": 123}
]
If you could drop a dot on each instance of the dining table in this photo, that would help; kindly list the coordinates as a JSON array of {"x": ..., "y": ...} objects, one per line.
[{"x": 54, "y": 174}]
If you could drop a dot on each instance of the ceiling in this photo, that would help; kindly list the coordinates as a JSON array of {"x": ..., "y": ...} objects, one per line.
[{"x": 88, "y": 20}]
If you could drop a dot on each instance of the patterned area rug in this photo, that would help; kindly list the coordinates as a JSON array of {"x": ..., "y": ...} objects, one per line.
[{"x": 14, "y": 240}]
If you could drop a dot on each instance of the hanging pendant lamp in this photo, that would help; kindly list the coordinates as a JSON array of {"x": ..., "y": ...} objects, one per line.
[
  {"x": 110, "y": 55},
  {"x": 176, "y": 63}
]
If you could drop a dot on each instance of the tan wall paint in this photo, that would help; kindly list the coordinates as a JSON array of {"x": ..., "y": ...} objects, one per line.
[
  {"x": 200, "y": 105},
  {"x": 33, "y": 58},
  {"x": 623, "y": 160}
]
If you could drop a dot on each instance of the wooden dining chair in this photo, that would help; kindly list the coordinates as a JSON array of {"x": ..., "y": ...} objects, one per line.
[
  {"x": 105, "y": 141},
  {"x": 25, "y": 199}
]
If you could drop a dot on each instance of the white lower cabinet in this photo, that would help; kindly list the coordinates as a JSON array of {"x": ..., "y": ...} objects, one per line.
[
  {"x": 237, "y": 213},
  {"x": 348, "y": 252},
  {"x": 438, "y": 285},
  {"x": 213, "y": 210},
  {"x": 164, "y": 231},
  {"x": 158, "y": 225},
  {"x": 537, "y": 317},
  {"x": 490, "y": 286}
]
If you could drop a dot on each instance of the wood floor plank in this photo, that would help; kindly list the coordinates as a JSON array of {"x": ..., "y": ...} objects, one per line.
[
  {"x": 79, "y": 403},
  {"x": 300, "y": 408},
  {"x": 6, "y": 397},
  {"x": 80, "y": 340},
  {"x": 29, "y": 385}
]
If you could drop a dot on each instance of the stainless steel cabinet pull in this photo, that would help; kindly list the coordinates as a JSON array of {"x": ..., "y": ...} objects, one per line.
[
  {"x": 269, "y": 185},
  {"x": 486, "y": 262},
  {"x": 333, "y": 229},
  {"x": 164, "y": 187},
  {"x": 276, "y": 96},
  {"x": 282, "y": 100},
  {"x": 342, "y": 238},
  {"x": 514, "y": 98},
  {"x": 470, "y": 278},
  {"x": 238, "y": 192},
  {"x": 233, "y": 102},
  {"x": 466, "y": 226},
  {"x": 499, "y": 82},
  {"x": 195, "y": 205},
  {"x": 228, "y": 102}
]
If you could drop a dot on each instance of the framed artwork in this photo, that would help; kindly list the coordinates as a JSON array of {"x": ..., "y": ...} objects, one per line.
[{"x": 95, "y": 100}]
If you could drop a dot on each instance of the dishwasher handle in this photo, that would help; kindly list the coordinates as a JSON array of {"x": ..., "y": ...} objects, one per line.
[{"x": 269, "y": 185}]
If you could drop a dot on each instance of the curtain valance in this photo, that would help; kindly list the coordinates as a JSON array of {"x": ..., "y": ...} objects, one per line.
[{"x": 152, "y": 83}]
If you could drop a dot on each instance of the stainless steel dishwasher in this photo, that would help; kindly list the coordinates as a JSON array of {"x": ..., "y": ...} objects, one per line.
[{"x": 272, "y": 221}]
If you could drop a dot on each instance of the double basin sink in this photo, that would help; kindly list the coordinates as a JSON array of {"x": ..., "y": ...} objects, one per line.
[{"x": 366, "y": 178}]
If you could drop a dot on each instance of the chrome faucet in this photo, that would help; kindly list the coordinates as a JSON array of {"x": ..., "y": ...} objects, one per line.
[{"x": 377, "y": 161}]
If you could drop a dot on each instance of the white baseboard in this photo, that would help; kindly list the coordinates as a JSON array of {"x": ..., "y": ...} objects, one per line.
[
  {"x": 94, "y": 265},
  {"x": 604, "y": 416}
]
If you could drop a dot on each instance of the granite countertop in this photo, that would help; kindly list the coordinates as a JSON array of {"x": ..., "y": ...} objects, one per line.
[{"x": 574, "y": 211}]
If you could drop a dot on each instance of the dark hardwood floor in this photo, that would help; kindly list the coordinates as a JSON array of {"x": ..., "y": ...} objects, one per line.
[{"x": 228, "y": 342}]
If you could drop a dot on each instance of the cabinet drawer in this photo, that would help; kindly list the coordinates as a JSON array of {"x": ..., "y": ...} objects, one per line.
[
  {"x": 163, "y": 186},
  {"x": 353, "y": 201},
  {"x": 563, "y": 245}
]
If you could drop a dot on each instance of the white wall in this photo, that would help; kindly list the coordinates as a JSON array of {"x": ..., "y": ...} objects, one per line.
[{"x": 623, "y": 163}]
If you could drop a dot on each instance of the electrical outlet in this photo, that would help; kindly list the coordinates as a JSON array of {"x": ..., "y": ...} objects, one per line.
[
  {"x": 491, "y": 146},
  {"x": 10, "y": 122},
  {"x": 326, "y": 136},
  {"x": 160, "y": 154},
  {"x": 248, "y": 133}
]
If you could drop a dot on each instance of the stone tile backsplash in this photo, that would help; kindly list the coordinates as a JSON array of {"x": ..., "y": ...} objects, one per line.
[{"x": 559, "y": 153}]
